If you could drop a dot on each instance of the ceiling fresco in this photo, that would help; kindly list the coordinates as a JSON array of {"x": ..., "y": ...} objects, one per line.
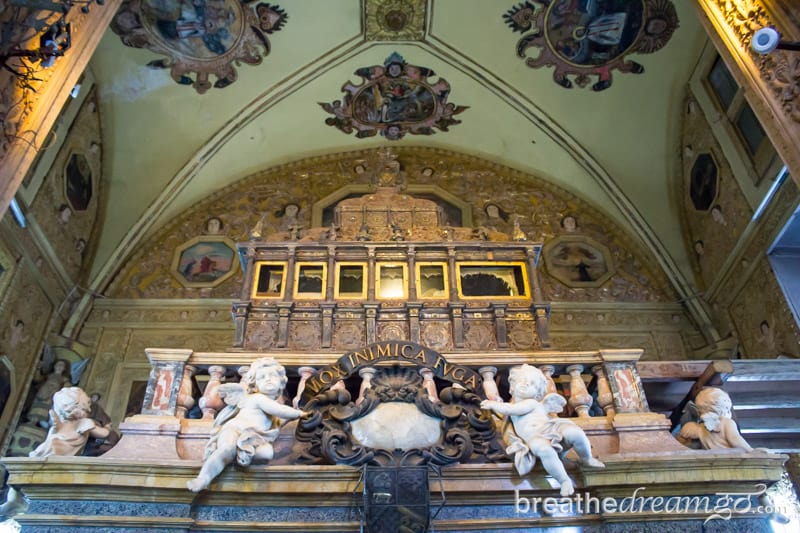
[
  {"x": 202, "y": 38},
  {"x": 393, "y": 99},
  {"x": 587, "y": 39}
]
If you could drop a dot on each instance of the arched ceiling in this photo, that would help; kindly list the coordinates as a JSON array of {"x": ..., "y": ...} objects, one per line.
[{"x": 167, "y": 147}]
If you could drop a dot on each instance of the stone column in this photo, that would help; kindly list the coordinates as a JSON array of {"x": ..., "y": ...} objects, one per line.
[
  {"x": 548, "y": 371},
  {"x": 304, "y": 372},
  {"x": 604, "y": 397},
  {"x": 428, "y": 384},
  {"x": 412, "y": 274},
  {"x": 284, "y": 312},
  {"x": 166, "y": 375},
  {"x": 501, "y": 331},
  {"x": 413, "y": 321},
  {"x": 211, "y": 403},
  {"x": 366, "y": 375},
  {"x": 327, "y": 324},
  {"x": 185, "y": 398},
  {"x": 579, "y": 397}
]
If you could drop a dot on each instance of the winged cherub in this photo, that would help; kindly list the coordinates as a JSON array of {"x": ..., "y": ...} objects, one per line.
[
  {"x": 534, "y": 433},
  {"x": 247, "y": 427}
]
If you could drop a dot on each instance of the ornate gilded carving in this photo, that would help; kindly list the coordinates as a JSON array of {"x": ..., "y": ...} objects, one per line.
[
  {"x": 395, "y": 20},
  {"x": 393, "y": 99},
  {"x": 780, "y": 69},
  {"x": 200, "y": 39},
  {"x": 583, "y": 41},
  {"x": 305, "y": 182},
  {"x": 462, "y": 427},
  {"x": 763, "y": 322}
]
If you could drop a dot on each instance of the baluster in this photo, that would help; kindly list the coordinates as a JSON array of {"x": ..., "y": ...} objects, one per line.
[
  {"x": 604, "y": 396},
  {"x": 211, "y": 403},
  {"x": 548, "y": 370},
  {"x": 489, "y": 386},
  {"x": 366, "y": 375},
  {"x": 579, "y": 397},
  {"x": 305, "y": 372},
  {"x": 428, "y": 384},
  {"x": 185, "y": 399}
]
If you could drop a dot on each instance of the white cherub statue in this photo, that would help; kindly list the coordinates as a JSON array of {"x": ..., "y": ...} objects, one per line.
[
  {"x": 535, "y": 433},
  {"x": 247, "y": 427},
  {"x": 716, "y": 428},
  {"x": 70, "y": 424}
]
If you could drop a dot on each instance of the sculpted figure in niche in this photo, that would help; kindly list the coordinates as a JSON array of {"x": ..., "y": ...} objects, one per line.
[
  {"x": 71, "y": 424},
  {"x": 55, "y": 380},
  {"x": 243, "y": 431},
  {"x": 715, "y": 428},
  {"x": 535, "y": 433}
]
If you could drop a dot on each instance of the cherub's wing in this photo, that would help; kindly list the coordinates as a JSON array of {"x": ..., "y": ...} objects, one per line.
[
  {"x": 76, "y": 369},
  {"x": 554, "y": 403},
  {"x": 232, "y": 393}
]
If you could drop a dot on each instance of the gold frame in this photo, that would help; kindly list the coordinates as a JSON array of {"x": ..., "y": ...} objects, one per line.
[
  {"x": 418, "y": 277},
  {"x": 296, "y": 294},
  {"x": 254, "y": 294},
  {"x": 176, "y": 261},
  {"x": 491, "y": 264},
  {"x": 378, "y": 268},
  {"x": 363, "y": 295}
]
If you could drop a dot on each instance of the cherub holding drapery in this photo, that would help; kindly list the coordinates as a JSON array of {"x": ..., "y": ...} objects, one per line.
[
  {"x": 245, "y": 430},
  {"x": 535, "y": 433}
]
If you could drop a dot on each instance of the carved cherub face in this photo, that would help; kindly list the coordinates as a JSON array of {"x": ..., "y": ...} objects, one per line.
[
  {"x": 527, "y": 382},
  {"x": 71, "y": 403},
  {"x": 713, "y": 400},
  {"x": 266, "y": 376}
]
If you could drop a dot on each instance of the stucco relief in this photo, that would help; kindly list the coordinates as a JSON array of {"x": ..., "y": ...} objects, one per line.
[
  {"x": 66, "y": 205},
  {"x": 539, "y": 206},
  {"x": 304, "y": 335},
  {"x": 522, "y": 335},
  {"x": 715, "y": 210},
  {"x": 479, "y": 336},
  {"x": 590, "y": 341},
  {"x": 199, "y": 341},
  {"x": 764, "y": 324}
]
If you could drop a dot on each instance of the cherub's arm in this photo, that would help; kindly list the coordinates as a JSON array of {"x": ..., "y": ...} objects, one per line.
[
  {"x": 734, "y": 438},
  {"x": 522, "y": 407},
  {"x": 271, "y": 407}
]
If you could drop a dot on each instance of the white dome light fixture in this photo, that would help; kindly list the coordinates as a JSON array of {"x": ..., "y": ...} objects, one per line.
[{"x": 768, "y": 39}]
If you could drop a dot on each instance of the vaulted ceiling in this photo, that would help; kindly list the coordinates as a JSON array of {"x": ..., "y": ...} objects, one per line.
[{"x": 166, "y": 146}]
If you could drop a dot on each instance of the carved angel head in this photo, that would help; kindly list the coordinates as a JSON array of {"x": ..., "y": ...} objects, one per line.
[
  {"x": 266, "y": 376},
  {"x": 71, "y": 403},
  {"x": 711, "y": 400},
  {"x": 527, "y": 381}
]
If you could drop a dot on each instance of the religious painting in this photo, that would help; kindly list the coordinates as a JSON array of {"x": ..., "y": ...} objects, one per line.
[
  {"x": 578, "y": 261},
  {"x": 204, "y": 261},
  {"x": 78, "y": 182},
  {"x": 590, "y": 38},
  {"x": 703, "y": 182},
  {"x": 201, "y": 38},
  {"x": 393, "y": 99},
  {"x": 492, "y": 280}
]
